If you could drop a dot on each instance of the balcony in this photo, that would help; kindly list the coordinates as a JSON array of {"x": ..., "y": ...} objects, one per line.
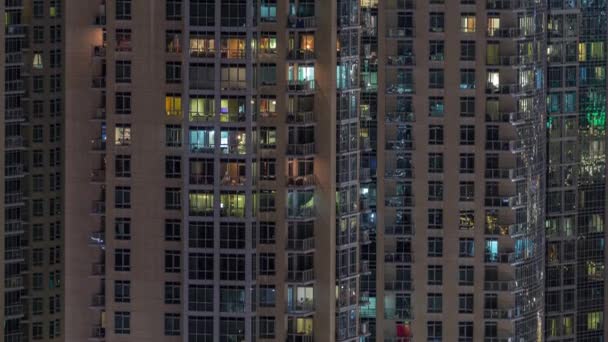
[
  {"x": 14, "y": 226},
  {"x": 98, "y": 145},
  {"x": 497, "y": 314},
  {"x": 301, "y": 181},
  {"x": 397, "y": 33},
  {"x": 399, "y": 201},
  {"x": 500, "y": 173},
  {"x": 498, "y": 145},
  {"x": 306, "y": 23},
  {"x": 14, "y": 310},
  {"x": 400, "y": 257},
  {"x": 301, "y": 55},
  {"x": 305, "y": 117},
  {"x": 496, "y": 201},
  {"x": 98, "y": 333},
  {"x": 364, "y": 267},
  {"x": 399, "y": 145},
  {"x": 398, "y": 173},
  {"x": 301, "y": 213},
  {"x": 14, "y": 4},
  {"x": 301, "y": 86},
  {"x": 399, "y": 230},
  {"x": 98, "y": 207},
  {"x": 364, "y": 237},
  {"x": 14, "y": 86},
  {"x": 398, "y": 285},
  {"x": 295, "y": 337},
  {"x": 398, "y": 313},
  {"x": 510, "y": 89},
  {"x": 13, "y": 283},
  {"x": 399, "y": 117},
  {"x": 15, "y": 170},
  {"x": 14, "y": 142},
  {"x": 97, "y": 239},
  {"x": 13, "y": 198},
  {"x": 365, "y": 174},
  {"x": 301, "y": 149},
  {"x": 510, "y": 32},
  {"x": 301, "y": 245},
  {"x": 15, "y": 30},
  {"x": 499, "y": 285},
  {"x": 98, "y": 82},
  {"x": 497, "y": 117},
  {"x": 98, "y": 176},
  {"x": 98, "y": 269},
  {"x": 301, "y": 276},
  {"x": 518, "y": 229},
  {"x": 98, "y": 301},
  {"x": 399, "y": 88},
  {"x": 301, "y": 307},
  {"x": 99, "y": 51},
  {"x": 13, "y": 58},
  {"x": 365, "y": 143},
  {"x": 14, "y": 337},
  {"x": 401, "y": 60},
  {"x": 99, "y": 114},
  {"x": 15, "y": 114}
]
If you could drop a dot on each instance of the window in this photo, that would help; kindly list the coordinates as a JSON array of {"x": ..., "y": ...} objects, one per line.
[
  {"x": 436, "y": 106},
  {"x": 436, "y": 50},
  {"x": 435, "y": 191},
  {"x": 434, "y": 331},
  {"x": 268, "y": 169},
  {"x": 122, "y": 197},
  {"x": 122, "y": 228},
  {"x": 267, "y": 264},
  {"x": 200, "y": 329},
  {"x": 172, "y": 293},
  {"x": 467, "y": 191},
  {"x": 232, "y": 267},
  {"x": 38, "y": 9},
  {"x": 173, "y": 72},
  {"x": 232, "y": 235},
  {"x": 465, "y": 303},
  {"x": 55, "y": 58},
  {"x": 267, "y": 232},
  {"x": 268, "y": 11},
  {"x": 465, "y": 331},
  {"x": 172, "y": 230},
  {"x": 467, "y": 163},
  {"x": 466, "y": 275},
  {"x": 173, "y": 136},
  {"x": 122, "y": 291},
  {"x": 122, "y": 260},
  {"x": 123, "y": 103},
  {"x": 172, "y": 261},
  {"x": 467, "y": 79},
  {"x": 234, "y": 12},
  {"x": 435, "y": 247},
  {"x": 436, "y": 78},
  {"x": 467, "y": 22},
  {"x": 202, "y": 12},
  {"x": 232, "y": 299},
  {"x": 436, "y": 22},
  {"x": 200, "y": 297},
  {"x": 122, "y": 165},
  {"x": 467, "y": 135},
  {"x": 173, "y": 198},
  {"x": 122, "y": 322},
  {"x": 467, "y": 50},
  {"x": 123, "y": 9},
  {"x": 467, "y": 106},
  {"x": 266, "y": 327},
  {"x": 435, "y": 218},
  {"x": 434, "y": 303},
  {"x": 435, "y": 274},
  {"x": 172, "y": 324},
  {"x": 174, "y": 10},
  {"x": 173, "y": 167},
  {"x": 435, "y": 134},
  {"x": 173, "y": 105},
  {"x": 268, "y": 137},
  {"x": 200, "y": 266},
  {"x": 268, "y": 296},
  {"x": 435, "y": 162},
  {"x": 123, "y": 71}
]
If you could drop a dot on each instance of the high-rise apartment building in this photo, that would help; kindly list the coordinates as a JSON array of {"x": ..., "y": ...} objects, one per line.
[{"x": 303, "y": 170}]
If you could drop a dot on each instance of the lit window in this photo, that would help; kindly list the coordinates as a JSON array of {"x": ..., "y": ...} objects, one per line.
[
  {"x": 173, "y": 105},
  {"x": 467, "y": 23},
  {"x": 122, "y": 135},
  {"x": 37, "y": 60},
  {"x": 594, "y": 320}
]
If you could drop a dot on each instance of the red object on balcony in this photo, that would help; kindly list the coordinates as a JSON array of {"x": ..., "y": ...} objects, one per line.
[{"x": 403, "y": 332}]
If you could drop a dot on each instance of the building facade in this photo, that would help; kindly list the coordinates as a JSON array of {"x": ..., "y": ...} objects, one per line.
[{"x": 304, "y": 170}]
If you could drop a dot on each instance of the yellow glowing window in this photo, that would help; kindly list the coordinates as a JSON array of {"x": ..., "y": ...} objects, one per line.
[
  {"x": 268, "y": 44},
  {"x": 492, "y": 54},
  {"x": 582, "y": 52},
  {"x": 493, "y": 26},
  {"x": 552, "y": 327},
  {"x": 597, "y": 50},
  {"x": 37, "y": 61},
  {"x": 232, "y": 205},
  {"x": 467, "y": 23},
  {"x": 122, "y": 135},
  {"x": 201, "y": 203},
  {"x": 304, "y": 326},
  {"x": 568, "y": 325},
  {"x": 493, "y": 79},
  {"x": 268, "y": 105},
  {"x": 594, "y": 320},
  {"x": 173, "y": 105},
  {"x": 202, "y": 109},
  {"x": 307, "y": 42},
  {"x": 53, "y": 11},
  {"x": 233, "y": 47},
  {"x": 201, "y": 45}
]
